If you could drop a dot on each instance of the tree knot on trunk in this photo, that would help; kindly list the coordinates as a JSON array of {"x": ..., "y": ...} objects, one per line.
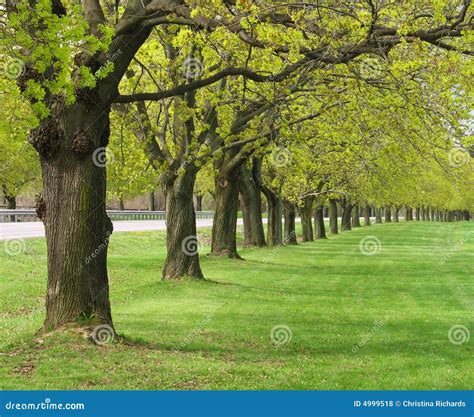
[
  {"x": 40, "y": 207},
  {"x": 46, "y": 138},
  {"x": 81, "y": 144},
  {"x": 87, "y": 96},
  {"x": 93, "y": 62}
]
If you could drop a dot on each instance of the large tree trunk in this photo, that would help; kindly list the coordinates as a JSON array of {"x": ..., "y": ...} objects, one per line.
[
  {"x": 367, "y": 215},
  {"x": 274, "y": 225},
  {"x": 289, "y": 213},
  {"x": 224, "y": 228},
  {"x": 388, "y": 214},
  {"x": 306, "y": 211},
  {"x": 356, "y": 216},
  {"x": 251, "y": 203},
  {"x": 378, "y": 215},
  {"x": 182, "y": 259},
  {"x": 319, "y": 222},
  {"x": 333, "y": 216},
  {"x": 346, "y": 216},
  {"x": 72, "y": 153}
]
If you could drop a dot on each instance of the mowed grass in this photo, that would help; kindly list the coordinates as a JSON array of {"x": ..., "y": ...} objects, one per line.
[{"x": 356, "y": 321}]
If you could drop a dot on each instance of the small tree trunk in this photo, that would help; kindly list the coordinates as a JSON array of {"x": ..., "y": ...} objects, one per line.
[
  {"x": 306, "y": 219},
  {"x": 466, "y": 215},
  {"x": 251, "y": 203},
  {"x": 396, "y": 213},
  {"x": 121, "y": 204},
  {"x": 346, "y": 216},
  {"x": 182, "y": 259},
  {"x": 151, "y": 201},
  {"x": 319, "y": 222},
  {"x": 432, "y": 217},
  {"x": 388, "y": 214},
  {"x": 289, "y": 213},
  {"x": 274, "y": 225},
  {"x": 356, "y": 216},
  {"x": 325, "y": 212},
  {"x": 367, "y": 215},
  {"x": 224, "y": 228},
  {"x": 333, "y": 216},
  {"x": 10, "y": 202},
  {"x": 197, "y": 199},
  {"x": 378, "y": 215},
  {"x": 417, "y": 214}
]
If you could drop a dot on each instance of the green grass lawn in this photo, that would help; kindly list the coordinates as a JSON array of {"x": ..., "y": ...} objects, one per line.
[{"x": 356, "y": 321}]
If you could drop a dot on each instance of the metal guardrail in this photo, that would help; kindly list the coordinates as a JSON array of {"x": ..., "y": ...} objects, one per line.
[{"x": 9, "y": 216}]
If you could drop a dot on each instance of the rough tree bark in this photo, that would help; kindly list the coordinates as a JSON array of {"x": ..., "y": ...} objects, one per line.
[
  {"x": 346, "y": 216},
  {"x": 306, "y": 219},
  {"x": 72, "y": 154},
  {"x": 182, "y": 258},
  {"x": 319, "y": 222},
  {"x": 224, "y": 228},
  {"x": 333, "y": 216},
  {"x": 251, "y": 203}
]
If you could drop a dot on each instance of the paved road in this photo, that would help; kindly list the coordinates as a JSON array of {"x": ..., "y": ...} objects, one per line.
[{"x": 36, "y": 229}]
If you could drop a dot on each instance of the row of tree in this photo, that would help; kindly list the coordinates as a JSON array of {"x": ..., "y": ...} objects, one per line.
[{"x": 356, "y": 102}]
